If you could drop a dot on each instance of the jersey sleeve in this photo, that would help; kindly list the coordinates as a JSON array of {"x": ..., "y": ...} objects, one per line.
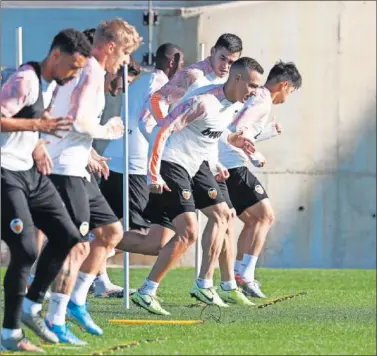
[
  {"x": 20, "y": 90},
  {"x": 146, "y": 121},
  {"x": 182, "y": 115},
  {"x": 173, "y": 91}
]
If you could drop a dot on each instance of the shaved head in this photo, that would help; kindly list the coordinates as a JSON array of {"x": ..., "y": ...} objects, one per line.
[
  {"x": 167, "y": 50},
  {"x": 169, "y": 58}
]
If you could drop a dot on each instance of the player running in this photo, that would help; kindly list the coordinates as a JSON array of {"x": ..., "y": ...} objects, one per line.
[
  {"x": 114, "y": 40},
  {"x": 178, "y": 150},
  {"x": 215, "y": 204},
  {"x": 28, "y": 198},
  {"x": 246, "y": 193}
]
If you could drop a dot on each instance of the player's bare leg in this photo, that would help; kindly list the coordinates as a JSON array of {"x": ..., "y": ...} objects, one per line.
[
  {"x": 258, "y": 220},
  {"x": 213, "y": 239},
  {"x": 76, "y": 277},
  {"x": 185, "y": 236},
  {"x": 212, "y": 244},
  {"x": 107, "y": 237},
  {"x": 142, "y": 241},
  {"x": 228, "y": 290},
  {"x": 149, "y": 244}
]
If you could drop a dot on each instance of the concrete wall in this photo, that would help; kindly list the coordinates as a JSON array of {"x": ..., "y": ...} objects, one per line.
[{"x": 325, "y": 160}]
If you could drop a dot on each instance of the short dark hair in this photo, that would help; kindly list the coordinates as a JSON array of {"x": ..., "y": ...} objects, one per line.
[
  {"x": 134, "y": 67},
  {"x": 165, "y": 53},
  {"x": 247, "y": 63},
  {"x": 230, "y": 42},
  {"x": 282, "y": 72},
  {"x": 89, "y": 33},
  {"x": 71, "y": 41}
]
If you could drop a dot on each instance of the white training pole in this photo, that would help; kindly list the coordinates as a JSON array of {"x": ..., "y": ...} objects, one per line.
[
  {"x": 19, "y": 54},
  {"x": 198, "y": 245},
  {"x": 126, "y": 262},
  {"x": 150, "y": 32}
]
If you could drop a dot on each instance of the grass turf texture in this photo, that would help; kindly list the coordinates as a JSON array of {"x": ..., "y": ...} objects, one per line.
[{"x": 337, "y": 316}]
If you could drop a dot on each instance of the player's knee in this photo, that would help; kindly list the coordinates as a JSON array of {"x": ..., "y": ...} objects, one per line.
[
  {"x": 220, "y": 214},
  {"x": 82, "y": 250},
  {"x": 270, "y": 217},
  {"x": 112, "y": 235},
  {"x": 267, "y": 217},
  {"x": 190, "y": 233},
  {"x": 79, "y": 253}
]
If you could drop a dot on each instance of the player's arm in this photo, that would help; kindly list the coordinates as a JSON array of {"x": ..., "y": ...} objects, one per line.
[
  {"x": 146, "y": 121},
  {"x": 253, "y": 118},
  {"x": 146, "y": 124},
  {"x": 247, "y": 125},
  {"x": 17, "y": 93},
  {"x": 171, "y": 92},
  {"x": 270, "y": 130},
  {"x": 82, "y": 110},
  {"x": 220, "y": 171},
  {"x": 176, "y": 120}
]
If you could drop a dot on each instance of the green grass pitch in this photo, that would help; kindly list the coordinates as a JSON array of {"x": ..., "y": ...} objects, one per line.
[{"x": 337, "y": 316}]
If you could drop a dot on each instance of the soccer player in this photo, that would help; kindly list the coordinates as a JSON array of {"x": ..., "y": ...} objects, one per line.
[
  {"x": 214, "y": 69},
  {"x": 28, "y": 198},
  {"x": 102, "y": 285},
  {"x": 169, "y": 59},
  {"x": 97, "y": 165},
  {"x": 114, "y": 40},
  {"x": 183, "y": 141},
  {"x": 246, "y": 193}
]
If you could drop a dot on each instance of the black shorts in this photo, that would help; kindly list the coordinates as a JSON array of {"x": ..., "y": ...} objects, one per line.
[
  {"x": 112, "y": 190},
  {"x": 186, "y": 194},
  {"x": 207, "y": 191},
  {"x": 84, "y": 201},
  {"x": 224, "y": 191},
  {"x": 30, "y": 200},
  {"x": 244, "y": 189}
]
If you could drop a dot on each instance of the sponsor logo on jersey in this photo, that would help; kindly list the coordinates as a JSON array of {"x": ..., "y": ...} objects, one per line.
[{"x": 212, "y": 134}]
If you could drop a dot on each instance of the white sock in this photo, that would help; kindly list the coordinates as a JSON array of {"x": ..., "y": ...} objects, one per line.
[
  {"x": 57, "y": 308},
  {"x": 237, "y": 266},
  {"x": 149, "y": 287},
  {"x": 30, "y": 279},
  {"x": 103, "y": 279},
  {"x": 30, "y": 307},
  {"x": 81, "y": 289},
  {"x": 204, "y": 283},
  {"x": 248, "y": 267},
  {"x": 228, "y": 285},
  {"x": 11, "y": 333}
]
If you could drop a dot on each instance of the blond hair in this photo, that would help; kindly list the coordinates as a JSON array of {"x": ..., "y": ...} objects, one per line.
[{"x": 118, "y": 31}]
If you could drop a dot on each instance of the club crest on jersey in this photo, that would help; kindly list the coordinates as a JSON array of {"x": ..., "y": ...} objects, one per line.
[
  {"x": 259, "y": 189},
  {"x": 186, "y": 194},
  {"x": 16, "y": 225},
  {"x": 84, "y": 228},
  {"x": 212, "y": 193}
]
